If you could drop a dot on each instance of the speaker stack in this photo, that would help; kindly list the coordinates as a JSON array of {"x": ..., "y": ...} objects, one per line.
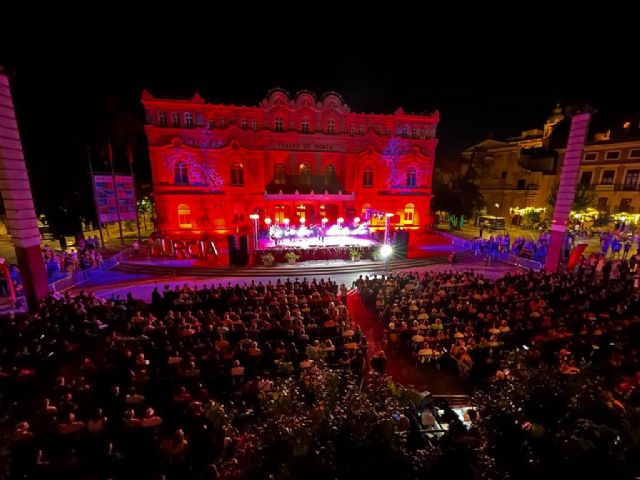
[{"x": 238, "y": 250}]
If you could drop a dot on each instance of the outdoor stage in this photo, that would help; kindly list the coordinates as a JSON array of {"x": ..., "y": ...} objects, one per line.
[
  {"x": 310, "y": 242},
  {"x": 427, "y": 248}
]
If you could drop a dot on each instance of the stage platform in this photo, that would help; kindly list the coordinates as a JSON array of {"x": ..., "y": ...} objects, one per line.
[
  {"x": 434, "y": 251},
  {"x": 311, "y": 242}
]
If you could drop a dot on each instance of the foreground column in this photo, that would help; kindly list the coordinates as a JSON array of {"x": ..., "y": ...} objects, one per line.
[
  {"x": 567, "y": 188},
  {"x": 18, "y": 202}
]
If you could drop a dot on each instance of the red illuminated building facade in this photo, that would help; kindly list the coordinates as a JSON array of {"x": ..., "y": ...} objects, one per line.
[{"x": 299, "y": 157}]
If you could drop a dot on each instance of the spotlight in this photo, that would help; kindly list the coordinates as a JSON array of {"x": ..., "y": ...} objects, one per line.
[
  {"x": 386, "y": 250},
  {"x": 285, "y": 221},
  {"x": 267, "y": 221}
]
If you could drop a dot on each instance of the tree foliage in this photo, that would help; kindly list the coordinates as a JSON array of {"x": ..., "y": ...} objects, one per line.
[
  {"x": 327, "y": 426},
  {"x": 584, "y": 198},
  {"x": 540, "y": 423},
  {"x": 461, "y": 196}
]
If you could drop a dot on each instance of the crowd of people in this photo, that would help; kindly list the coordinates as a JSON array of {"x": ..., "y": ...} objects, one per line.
[
  {"x": 86, "y": 256},
  {"x": 124, "y": 388},
  {"x": 462, "y": 321},
  {"x": 519, "y": 246}
]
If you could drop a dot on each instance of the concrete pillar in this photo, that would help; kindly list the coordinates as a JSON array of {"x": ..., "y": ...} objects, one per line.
[
  {"x": 567, "y": 188},
  {"x": 22, "y": 223}
]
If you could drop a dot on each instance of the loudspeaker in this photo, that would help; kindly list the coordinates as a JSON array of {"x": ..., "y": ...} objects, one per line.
[
  {"x": 401, "y": 246},
  {"x": 238, "y": 250}
]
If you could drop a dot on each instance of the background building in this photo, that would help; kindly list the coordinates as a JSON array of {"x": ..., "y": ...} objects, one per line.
[
  {"x": 296, "y": 158},
  {"x": 520, "y": 173}
]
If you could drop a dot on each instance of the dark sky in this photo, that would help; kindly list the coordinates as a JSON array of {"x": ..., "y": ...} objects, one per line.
[{"x": 90, "y": 67}]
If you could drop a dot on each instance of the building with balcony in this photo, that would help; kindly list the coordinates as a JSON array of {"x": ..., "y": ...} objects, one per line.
[
  {"x": 300, "y": 158},
  {"x": 517, "y": 172},
  {"x": 611, "y": 167},
  {"x": 521, "y": 172}
]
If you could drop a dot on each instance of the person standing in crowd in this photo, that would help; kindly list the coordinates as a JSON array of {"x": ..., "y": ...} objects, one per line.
[{"x": 379, "y": 362}]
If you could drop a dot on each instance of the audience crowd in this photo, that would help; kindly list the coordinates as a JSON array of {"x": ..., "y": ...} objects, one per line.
[
  {"x": 126, "y": 389},
  {"x": 466, "y": 323},
  {"x": 86, "y": 256},
  {"x": 122, "y": 388}
]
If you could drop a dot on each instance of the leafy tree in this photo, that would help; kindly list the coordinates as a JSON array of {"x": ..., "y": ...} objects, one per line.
[
  {"x": 540, "y": 423},
  {"x": 461, "y": 196},
  {"x": 584, "y": 198},
  {"x": 64, "y": 219},
  {"x": 328, "y": 426},
  {"x": 146, "y": 206}
]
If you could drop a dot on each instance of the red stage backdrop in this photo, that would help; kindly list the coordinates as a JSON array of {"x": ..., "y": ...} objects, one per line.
[{"x": 298, "y": 157}]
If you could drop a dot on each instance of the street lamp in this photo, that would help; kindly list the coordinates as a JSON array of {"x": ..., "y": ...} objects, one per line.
[
  {"x": 254, "y": 217},
  {"x": 385, "y": 252},
  {"x": 387, "y": 219}
]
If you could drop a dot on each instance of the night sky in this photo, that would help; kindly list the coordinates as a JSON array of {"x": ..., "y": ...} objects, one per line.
[{"x": 71, "y": 89}]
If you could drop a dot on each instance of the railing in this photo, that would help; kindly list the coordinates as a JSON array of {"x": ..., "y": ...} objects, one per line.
[
  {"x": 503, "y": 257},
  {"x": 457, "y": 241},
  {"x": 520, "y": 261},
  {"x": 82, "y": 276}
]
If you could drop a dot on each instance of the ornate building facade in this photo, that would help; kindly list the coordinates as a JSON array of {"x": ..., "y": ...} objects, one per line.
[{"x": 297, "y": 158}]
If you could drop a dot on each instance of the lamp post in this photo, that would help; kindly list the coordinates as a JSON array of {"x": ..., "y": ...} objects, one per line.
[
  {"x": 385, "y": 252},
  {"x": 254, "y": 217},
  {"x": 387, "y": 218}
]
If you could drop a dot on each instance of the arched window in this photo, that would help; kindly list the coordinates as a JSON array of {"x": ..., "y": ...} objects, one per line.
[
  {"x": 329, "y": 174},
  {"x": 212, "y": 124},
  {"x": 405, "y": 131},
  {"x": 175, "y": 120},
  {"x": 237, "y": 175},
  {"x": 278, "y": 124},
  {"x": 388, "y": 132},
  {"x": 411, "y": 177},
  {"x": 409, "y": 210},
  {"x": 331, "y": 126},
  {"x": 244, "y": 124},
  {"x": 305, "y": 174},
  {"x": 221, "y": 122},
  {"x": 304, "y": 125},
  {"x": 279, "y": 174},
  {"x": 414, "y": 132},
  {"x": 188, "y": 120},
  {"x": 361, "y": 130},
  {"x": 184, "y": 215},
  {"x": 254, "y": 125},
  {"x": 162, "y": 119},
  {"x": 367, "y": 177},
  {"x": 352, "y": 130},
  {"x": 180, "y": 174}
]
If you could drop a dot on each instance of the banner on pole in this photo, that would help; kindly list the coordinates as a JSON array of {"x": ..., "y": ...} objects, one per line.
[{"x": 106, "y": 197}]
